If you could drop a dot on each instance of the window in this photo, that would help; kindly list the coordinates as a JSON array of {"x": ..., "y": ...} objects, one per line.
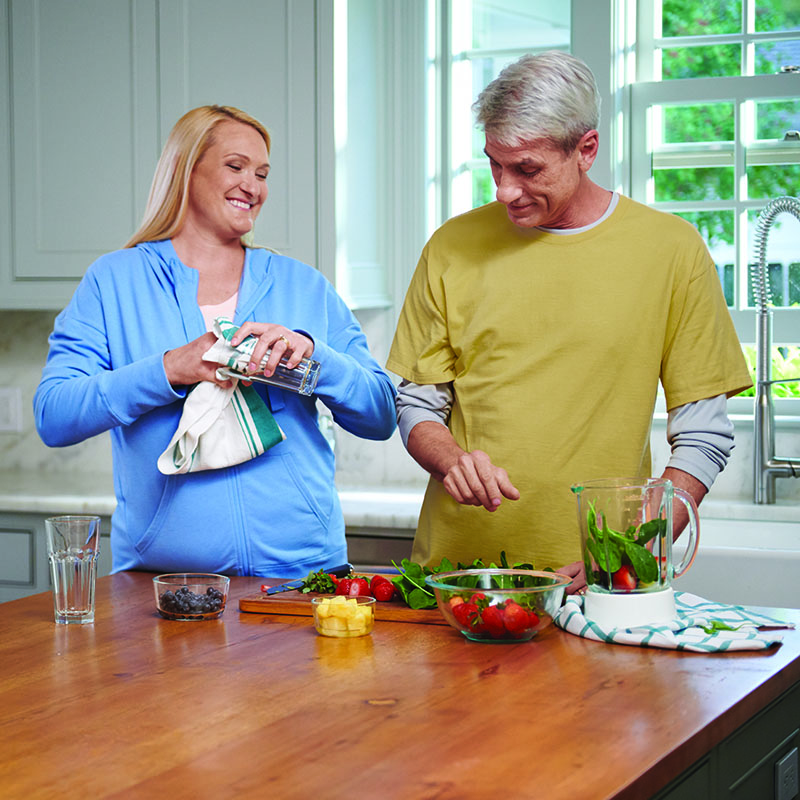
[
  {"x": 698, "y": 106},
  {"x": 469, "y": 42},
  {"x": 714, "y": 121}
]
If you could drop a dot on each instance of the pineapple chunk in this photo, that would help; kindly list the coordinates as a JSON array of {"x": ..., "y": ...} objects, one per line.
[{"x": 342, "y": 616}]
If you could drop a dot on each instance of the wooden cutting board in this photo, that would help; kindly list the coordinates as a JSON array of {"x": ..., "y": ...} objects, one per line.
[{"x": 297, "y": 604}]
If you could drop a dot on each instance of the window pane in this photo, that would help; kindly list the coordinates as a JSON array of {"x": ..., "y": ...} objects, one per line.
[
  {"x": 482, "y": 187},
  {"x": 771, "y": 56},
  {"x": 782, "y": 263},
  {"x": 785, "y": 365},
  {"x": 717, "y": 229},
  {"x": 777, "y": 15},
  {"x": 705, "y": 123},
  {"x": 527, "y": 24},
  {"x": 775, "y": 117},
  {"x": 486, "y": 36},
  {"x": 691, "y": 184},
  {"x": 708, "y": 61},
  {"x": 768, "y": 181},
  {"x": 484, "y": 71},
  {"x": 700, "y": 17}
]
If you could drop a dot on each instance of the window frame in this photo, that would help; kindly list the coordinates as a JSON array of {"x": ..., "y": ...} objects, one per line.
[{"x": 741, "y": 92}]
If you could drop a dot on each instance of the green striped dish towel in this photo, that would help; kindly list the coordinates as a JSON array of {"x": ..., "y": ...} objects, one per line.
[
  {"x": 701, "y": 627},
  {"x": 222, "y": 352},
  {"x": 220, "y": 427}
]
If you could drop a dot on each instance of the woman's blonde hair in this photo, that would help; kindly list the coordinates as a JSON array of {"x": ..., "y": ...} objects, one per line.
[{"x": 188, "y": 141}]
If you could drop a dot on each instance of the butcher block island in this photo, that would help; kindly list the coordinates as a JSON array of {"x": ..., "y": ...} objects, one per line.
[{"x": 256, "y": 705}]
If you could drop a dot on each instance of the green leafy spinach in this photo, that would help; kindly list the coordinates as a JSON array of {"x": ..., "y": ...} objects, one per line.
[{"x": 611, "y": 549}]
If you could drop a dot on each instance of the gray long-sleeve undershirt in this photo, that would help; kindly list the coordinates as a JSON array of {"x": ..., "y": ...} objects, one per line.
[{"x": 700, "y": 433}]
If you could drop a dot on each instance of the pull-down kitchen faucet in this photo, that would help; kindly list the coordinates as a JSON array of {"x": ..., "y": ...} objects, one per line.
[{"x": 767, "y": 466}]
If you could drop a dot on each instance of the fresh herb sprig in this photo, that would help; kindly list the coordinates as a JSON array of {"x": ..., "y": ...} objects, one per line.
[{"x": 319, "y": 581}]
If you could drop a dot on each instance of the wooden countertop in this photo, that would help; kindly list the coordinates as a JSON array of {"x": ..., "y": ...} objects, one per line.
[{"x": 256, "y": 706}]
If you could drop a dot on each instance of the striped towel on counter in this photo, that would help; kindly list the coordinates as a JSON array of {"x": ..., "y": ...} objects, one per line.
[
  {"x": 221, "y": 427},
  {"x": 701, "y": 627}
]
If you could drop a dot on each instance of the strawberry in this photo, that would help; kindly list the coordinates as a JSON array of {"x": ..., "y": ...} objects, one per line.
[
  {"x": 358, "y": 588},
  {"x": 455, "y": 600},
  {"x": 493, "y": 621},
  {"x": 466, "y": 614},
  {"x": 624, "y": 579},
  {"x": 377, "y": 580},
  {"x": 383, "y": 592},
  {"x": 477, "y": 597},
  {"x": 343, "y": 587},
  {"x": 515, "y": 618},
  {"x": 533, "y": 618}
]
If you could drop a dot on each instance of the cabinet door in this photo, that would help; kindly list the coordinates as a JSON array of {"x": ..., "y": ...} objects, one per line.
[
  {"x": 82, "y": 91},
  {"x": 94, "y": 87},
  {"x": 259, "y": 56}
]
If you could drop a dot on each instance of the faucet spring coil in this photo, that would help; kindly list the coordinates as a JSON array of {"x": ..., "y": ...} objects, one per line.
[{"x": 759, "y": 278}]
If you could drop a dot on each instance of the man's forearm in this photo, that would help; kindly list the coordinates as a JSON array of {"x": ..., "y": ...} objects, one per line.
[
  {"x": 433, "y": 447},
  {"x": 690, "y": 484}
]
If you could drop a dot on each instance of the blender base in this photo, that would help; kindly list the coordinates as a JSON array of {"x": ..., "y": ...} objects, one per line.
[{"x": 615, "y": 610}]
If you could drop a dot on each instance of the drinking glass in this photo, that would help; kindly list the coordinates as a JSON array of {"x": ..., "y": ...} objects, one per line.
[{"x": 73, "y": 544}]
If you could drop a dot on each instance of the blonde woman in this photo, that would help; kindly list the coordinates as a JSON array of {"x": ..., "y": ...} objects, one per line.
[{"x": 128, "y": 348}]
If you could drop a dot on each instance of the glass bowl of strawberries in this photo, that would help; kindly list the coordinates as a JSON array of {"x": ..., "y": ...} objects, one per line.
[{"x": 499, "y": 605}]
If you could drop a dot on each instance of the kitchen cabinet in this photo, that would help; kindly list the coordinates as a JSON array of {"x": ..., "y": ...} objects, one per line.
[
  {"x": 24, "y": 568},
  {"x": 92, "y": 88},
  {"x": 225, "y": 708},
  {"x": 742, "y": 767}
]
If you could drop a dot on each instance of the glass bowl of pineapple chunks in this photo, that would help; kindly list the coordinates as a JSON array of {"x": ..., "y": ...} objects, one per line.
[{"x": 343, "y": 617}]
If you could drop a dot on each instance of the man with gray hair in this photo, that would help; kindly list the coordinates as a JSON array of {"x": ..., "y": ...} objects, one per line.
[{"x": 536, "y": 329}]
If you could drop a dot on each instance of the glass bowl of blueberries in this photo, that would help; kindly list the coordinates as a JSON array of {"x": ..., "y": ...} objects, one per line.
[{"x": 191, "y": 595}]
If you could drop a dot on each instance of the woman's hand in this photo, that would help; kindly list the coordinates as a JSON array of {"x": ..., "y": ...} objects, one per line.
[
  {"x": 185, "y": 366},
  {"x": 283, "y": 344}
]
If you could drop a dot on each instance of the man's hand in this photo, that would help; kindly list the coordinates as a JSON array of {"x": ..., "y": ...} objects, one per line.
[
  {"x": 469, "y": 478},
  {"x": 184, "y": 366},
  {"x": 474, "y": 481},
  {"x": 577, "y": 572}
]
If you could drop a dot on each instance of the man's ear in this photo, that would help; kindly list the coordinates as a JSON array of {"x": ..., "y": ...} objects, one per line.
[{"x": 587, "y": 149}]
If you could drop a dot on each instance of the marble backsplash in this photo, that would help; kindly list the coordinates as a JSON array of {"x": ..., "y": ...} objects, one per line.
[{"x": 360, "y": 464}]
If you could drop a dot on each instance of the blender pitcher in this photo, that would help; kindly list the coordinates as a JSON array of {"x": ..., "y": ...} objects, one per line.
[{"x": 626, "y": 545}]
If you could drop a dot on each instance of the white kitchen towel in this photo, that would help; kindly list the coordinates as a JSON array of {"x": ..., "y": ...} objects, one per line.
[
  {"x": 221, "y": 427},
  {"x": 701, "y": 627}
]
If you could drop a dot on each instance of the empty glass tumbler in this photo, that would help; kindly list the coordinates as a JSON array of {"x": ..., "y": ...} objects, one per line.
[{"x": 73, "y": 545}]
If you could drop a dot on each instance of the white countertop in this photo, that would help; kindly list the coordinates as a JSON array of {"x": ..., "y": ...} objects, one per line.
[{"x": 390, "y": 508}]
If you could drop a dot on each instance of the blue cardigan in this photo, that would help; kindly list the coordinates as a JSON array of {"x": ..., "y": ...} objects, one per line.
[{"x": 276, "y": 515}]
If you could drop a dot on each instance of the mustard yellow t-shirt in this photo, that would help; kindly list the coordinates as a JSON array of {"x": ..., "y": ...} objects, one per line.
[{"x": 555, "y": 345}]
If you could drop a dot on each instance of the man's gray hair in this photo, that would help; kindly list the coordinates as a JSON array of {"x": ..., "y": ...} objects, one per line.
[{"x": 551, "y": 95}]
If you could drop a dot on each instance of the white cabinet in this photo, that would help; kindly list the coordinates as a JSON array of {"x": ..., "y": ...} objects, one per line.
[{"x": 92, "y": 88}]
